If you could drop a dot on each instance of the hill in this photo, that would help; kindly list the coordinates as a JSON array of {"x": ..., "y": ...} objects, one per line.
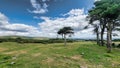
[{"x": 25, "y": 37}]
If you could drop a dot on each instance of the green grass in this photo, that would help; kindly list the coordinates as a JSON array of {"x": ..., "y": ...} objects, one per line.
[{"x": 74, "y": 55}]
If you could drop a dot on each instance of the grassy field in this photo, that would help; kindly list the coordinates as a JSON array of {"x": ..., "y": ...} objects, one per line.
[{"x": 75, "y": 55}]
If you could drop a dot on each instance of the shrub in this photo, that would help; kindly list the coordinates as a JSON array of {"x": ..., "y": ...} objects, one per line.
[
  {"x": 113, "y": 45},
  {"x": 118, "y": 46},
  {"x": 1, "y": 41},
  {"x": 18, "y": 40}
]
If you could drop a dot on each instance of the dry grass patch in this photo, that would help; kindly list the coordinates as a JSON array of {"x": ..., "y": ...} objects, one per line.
[
  {"x": 81, "y": 61},
  {"x": 48, "y": 61},
  {"x": 76, "y": 57},
  {"x": 36, "y": 54},
  {"x": 16, "y": 52},
  {"x": 115, "y": 64},
  {"x": 3, "y": 49}
]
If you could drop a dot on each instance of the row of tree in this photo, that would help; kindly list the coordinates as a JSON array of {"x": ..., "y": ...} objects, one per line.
[{"x": 107, "y": 12}]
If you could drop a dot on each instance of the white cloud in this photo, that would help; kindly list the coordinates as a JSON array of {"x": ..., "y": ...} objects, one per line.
[
  {"x": 75, "y": 12},
  {"x": 49, "y": 27},
  {"x": 39, "y": 7},
  {"x": 97, "y": 0},
  {"x": 75, "y": 19},
  {"x": 3, "y": 19},
  {"x": 6, "y": 28}
]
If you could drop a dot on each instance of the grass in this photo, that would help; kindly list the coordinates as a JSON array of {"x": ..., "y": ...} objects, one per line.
[{"x": 75, "y": 55}]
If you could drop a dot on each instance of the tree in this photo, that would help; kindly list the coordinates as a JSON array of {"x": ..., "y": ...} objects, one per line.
[
  {"x": 65, "y": 31},
  {"x": 111, "y": 14},
  {"x": 94, "y": 15},
  {"x": 60, "y": 32},
  {"x": 95, "y": 30},
  {"x": 107, "y": 12}
]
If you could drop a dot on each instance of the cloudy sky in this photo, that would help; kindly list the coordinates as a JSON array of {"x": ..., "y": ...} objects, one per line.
[{"x": 43, "y": 18}]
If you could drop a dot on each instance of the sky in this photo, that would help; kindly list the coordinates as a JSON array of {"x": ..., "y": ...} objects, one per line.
[{"x": 43, "y": 18}]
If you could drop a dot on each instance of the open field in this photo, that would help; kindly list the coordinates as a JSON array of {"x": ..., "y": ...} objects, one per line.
[{"x": 74, "y": 55}]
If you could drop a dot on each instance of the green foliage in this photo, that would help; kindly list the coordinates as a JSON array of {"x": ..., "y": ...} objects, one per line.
[
  {"x": 110, "y": 8},
  {"x": 112, "y": 12},
  {"x": 66, "y": 30}
]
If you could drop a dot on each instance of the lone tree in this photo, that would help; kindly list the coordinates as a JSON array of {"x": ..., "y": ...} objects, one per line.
[
  {"x": 65, "y": 31},
  {"x": 60, "y": 32}
]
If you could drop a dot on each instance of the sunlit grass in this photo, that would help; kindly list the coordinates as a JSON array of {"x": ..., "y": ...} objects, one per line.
[{"x": 74, "y": 55}]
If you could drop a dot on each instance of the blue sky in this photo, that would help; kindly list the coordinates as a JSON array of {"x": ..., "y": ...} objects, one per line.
[
  {"x": 43, "y": 18},
  {"x": 17, "y": 10}
]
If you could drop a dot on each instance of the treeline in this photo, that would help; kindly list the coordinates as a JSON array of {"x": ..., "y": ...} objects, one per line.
[
  {"x": 22, "y": 40},
  {"x": 116, "y": 40}
]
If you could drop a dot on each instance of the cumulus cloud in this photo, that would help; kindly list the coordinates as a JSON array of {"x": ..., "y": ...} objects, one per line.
[
  {"x": 74, "y": 18},
  {"x": 75, "y": 12},
  {"x": 97, "y": 0},
  {"x": 39, "y": 6},
  {"x": 6, "y": 28},
  {"x": 3, "y": 19}
]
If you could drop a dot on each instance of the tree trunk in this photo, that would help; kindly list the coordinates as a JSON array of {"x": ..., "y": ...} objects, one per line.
[
  {"x": 62, "y": 36},
  {"x": 57, "y": 36},
  {"x": 64, "y": 40},
  {"x": 98, "y": 38},
  {"x": 102, "y": 40},
  {"x": 109, "y": 38},
  {"x": 103, "y": 26}
]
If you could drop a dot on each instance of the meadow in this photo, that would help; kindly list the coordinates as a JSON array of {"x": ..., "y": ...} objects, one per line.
[{"x": 83, "y": 54}]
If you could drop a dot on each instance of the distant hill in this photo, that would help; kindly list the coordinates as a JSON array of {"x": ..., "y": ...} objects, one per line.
[{"x": 24, "y": 37}]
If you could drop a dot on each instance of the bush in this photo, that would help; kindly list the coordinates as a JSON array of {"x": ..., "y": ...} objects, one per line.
[
  {"x": 18, "y": 40},
  {"x": 113, "y": 45},
  {"x": 118, "y": 46},
  {"x": 1, "y": 41}
]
